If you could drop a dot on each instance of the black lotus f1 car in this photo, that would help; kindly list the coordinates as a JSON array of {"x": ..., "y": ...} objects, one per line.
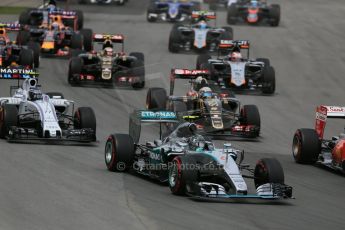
[
  {"x": 215, "y": 111},
  {"x": 107, "y": 66}
]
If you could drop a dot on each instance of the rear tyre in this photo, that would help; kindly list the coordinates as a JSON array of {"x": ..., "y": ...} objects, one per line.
[
  {"x": 80, "y": 16},
  {"x": 269, "y": 80},
  {"x": 24, "y": 18},
  {"x": 36, "y": 48},
  {"x": 232, "y": 14},
  {"x": 250, "y": 116},
  {"x": 119, "y": 152},
  {"x": 26, "y": 58},
  {"x": 23, "y": 37},
  {"x": 182, "y": 172},
  {"x": 151, "y": 10},
  {"x": 264, "y": 60},
  {"x": 87, "y": 39},
  {"x": 8, "y": 118},
  {"x": 202, "y": 60},
  {"x": 75, "y": 67},
  {"x": 140, "y": 56},
  {"x": 274, "y": 15},
  {"x": 77, "y": 41},
  {"x": 156, "y": 98},
  {"x": 306, "y": 146},
  {"x": 268, "y": 170},
  {"x": 138, "y": 69},
  {"x": 84, "y": 118},
  {"x": 229, "y": 35},
  {"x": 174, "y": 39}
]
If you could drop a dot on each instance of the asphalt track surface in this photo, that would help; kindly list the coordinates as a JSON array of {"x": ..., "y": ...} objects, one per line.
[{"x": 68, "y": 187}]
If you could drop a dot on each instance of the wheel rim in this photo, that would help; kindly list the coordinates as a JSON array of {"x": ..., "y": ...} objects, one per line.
[
  {"x": 173, "y": 175},
  {"x": 296, "y": 146},
  {"x": 108, "y": 152}
]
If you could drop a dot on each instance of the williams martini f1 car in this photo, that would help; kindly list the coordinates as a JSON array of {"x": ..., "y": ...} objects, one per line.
[
  {"x": 30, "y": 115},
  {"x": 215, "y": 111},
  {"x": 310, "y": 147},
  {"x": 254, "y": 12},
  {"x": 191, "y": 164},
  {"x": 171, "y": 10},
  {"x": 237, "y": 72},
  {"x": 107, "y": 66},
  {"x": 200, "y": 36},
  {"x": 117, "y": 2}
]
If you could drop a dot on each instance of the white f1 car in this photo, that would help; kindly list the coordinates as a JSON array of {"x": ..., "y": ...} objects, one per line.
[
  {"x": 118, "y": 2},
  {"x": 31, "y": 115}
]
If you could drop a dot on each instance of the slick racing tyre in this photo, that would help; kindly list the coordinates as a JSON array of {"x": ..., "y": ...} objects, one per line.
[
  {"x": 26, "y": 58},
  {"x": 8, "y": 118},
  {"x": 268, "y": 170},
  {"x": 183, "y": 171},
  {"x": 87, "y": 39},
  {"x": 250, "y": 115},
  {"x": 23, "y": 37},
  {"x": 274, "y": 15},
  {"x": 80, "y": 16},
  {"x": 77, "y": 41},
  {"x": 119, "y": 152},
  {"x": 202, "y": 60},
  {"x": 84, "y": 118},
  {"x": 138, "y": 69},
  {"x": 156, "y": 99},
  {"x": 75, "y": 68},
  {"x": 36, "y": 48},
  {"x": 229, "y": 33},
  {"x": 306, "y": 146},
  {"x": 174, "y": 40},
  {"x": 232, "y": 14},
  {"x": 24, "y": 17},
  {"x": 269, "y": 80}
]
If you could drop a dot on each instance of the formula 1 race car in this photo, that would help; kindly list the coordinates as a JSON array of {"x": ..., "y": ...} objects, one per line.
[
  {"x": 14, "y": 54},
  {"x": 199, "y": 36},
  {"x": 171, "y": 10},
  {"x": 191, "y": 164},
  {"x": 237, "y": 72},
  {"x": 56, "y": 36},
  {"x": 30, "y": 115},
  {"x": 215, "y": 111},
  {"x": 254, "y": 12},
  {"x": 310, "y": 147},
  {"x": 118, "y": 2},
  {"x": 108, "y": 67},
  {"x": 40, "y": 16}
]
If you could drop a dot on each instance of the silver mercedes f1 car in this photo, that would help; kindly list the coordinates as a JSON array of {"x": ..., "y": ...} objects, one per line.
[
  {"x": 190, "y": 163},
  {"x": 30, "y": 115}
]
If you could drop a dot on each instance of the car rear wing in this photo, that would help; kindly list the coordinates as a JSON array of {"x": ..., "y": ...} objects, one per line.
[
  {"x": 10, "y": 26},
  {"x": 323, "y": 112},
  {"x": 146, "y": 116},
  {"x": 204, "y": 15},
  {"x": 185, "y": 74},
  {"x": 114, "y": 38},
  {"x": 230, "y": 44}
]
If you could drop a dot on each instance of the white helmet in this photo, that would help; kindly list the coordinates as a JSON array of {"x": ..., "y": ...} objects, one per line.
[{"x": 108, "y": 51}]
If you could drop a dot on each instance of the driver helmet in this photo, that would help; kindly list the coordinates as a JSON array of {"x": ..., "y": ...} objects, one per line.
[
  {"x": 205, "y": 92},
  {"x": 35, "y": 94},
  {"x": 108, "y": 51},
  {"x": 55, "y": 26},
  {"x": 2, "y": 41},
  {"x": 197, "y": 143},
  {"x": 51, "y": 6},
  {"x": 202, "y": 24},
  {"x": 235, "y": 56}
]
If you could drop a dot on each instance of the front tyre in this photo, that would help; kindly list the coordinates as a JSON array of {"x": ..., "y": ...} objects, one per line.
[
  {"x": 268, "y": 170},
  {"x": 119, "y": 152},
  {"x": 306, "y": 146}
]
